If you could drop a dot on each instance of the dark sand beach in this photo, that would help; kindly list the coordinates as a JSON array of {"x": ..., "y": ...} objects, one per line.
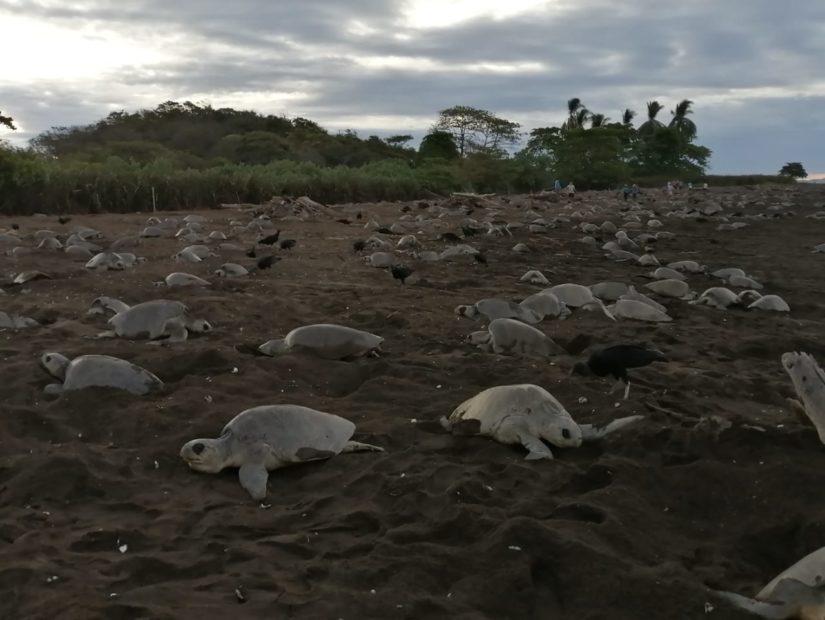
[{"x": 100, "y": 518}]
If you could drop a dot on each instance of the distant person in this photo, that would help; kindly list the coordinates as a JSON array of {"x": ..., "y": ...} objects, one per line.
[
  {"x": 690, "y": 185},
  {"x": 634, "y": 189},
  {"x": 571, "y": 190},
  {"x": 669, "y": 188},
  {"x": 557, "y": 186},
  {"x": 626, "y": 191}
]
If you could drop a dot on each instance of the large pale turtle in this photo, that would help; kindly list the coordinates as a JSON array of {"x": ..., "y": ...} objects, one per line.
[
  {"x": 809, "y": 383},
  {"x": 493, "y": 308},
  {"x": 525, "y": 414},
  {"x": 327, "y": 341},
  {"x": 717, "y": 297},
  {"x": 155, "y": 319},
  {"x": 638, "y": 310},
  {"x": 269, "y": 437},
  {"x": 97, "y": 371},
  {"x": 769, "y": 302},
  {"x": 633, "y": 294},
  {"x": 546, "y": 305},
  {"x": 798, "y": 592},
  {"x": 670, "y": 288},
  {"x": 508, "y": 337},
  {"x": 609, "y": 291}
]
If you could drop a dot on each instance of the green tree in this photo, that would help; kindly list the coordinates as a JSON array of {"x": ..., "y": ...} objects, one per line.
[
  {"x": 680, "y": 121},
  {"x": 7, "y": 121},
  {"x": 438, "y": 145},
  {"x": 598, "y": 120},
  {"x": 793, "y": 169},
  {"x": 474, "y": 129},
  {"x": 399, "y": 141}
]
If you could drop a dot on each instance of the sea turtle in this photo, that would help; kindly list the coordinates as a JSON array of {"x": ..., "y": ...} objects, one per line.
[
  {"x": 688, "y": 266},
  {"x": 106, "y": 261},
  {"x": 743, "y": 282},
  {"x": 546, "y": 304},
  {"x": 770, "y": 302},
  {"x": 29, "y": 276},
  {"x": 534, "y": 277},
  {"x": 670, "y": 288},
  {"x": 180, "y": 278},
  {"x": 608, "y": 291},
  {"x": 648, "y": 259},
  {"x": 634, "y": 309},
  {"x": 101, "y": 305},
  {"x": 717, "y": 297},
  {"x": 15, "y": 321},
  {"x": 149, "y": 320},
  {"x": 727, "y": 272},
  {"x": 493, "y": 308},
  {"x": 809, "y": 383},
  {"x": 633, "y": 294},
  {"x": 525, "y": 414},
  {"x": 327, "y": 341},
  {"x": 229, "y": 270},
  {"x": 269, "y": 437},
  {"x": 797, "y": 592},
  {"x": 508, "y": 337},
  {"x": 97, "y": 371},
  {"x": 666, "y": 273}
]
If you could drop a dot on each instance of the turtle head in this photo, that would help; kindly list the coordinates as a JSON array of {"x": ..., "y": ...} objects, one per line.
[
  {"x": 468, "y": 311},
  {"x": 561, "y": 431},
  {"x": 204, "y": 455},
  {"x": 198, "y": 326},
  {"x": 273, "y": 347},
  {"x": 55, "y": 364}
]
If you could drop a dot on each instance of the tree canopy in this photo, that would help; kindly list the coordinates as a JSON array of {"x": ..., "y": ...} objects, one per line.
[
  {"x": 7, "y": 121},
  {"x": 793, "y": 169}
]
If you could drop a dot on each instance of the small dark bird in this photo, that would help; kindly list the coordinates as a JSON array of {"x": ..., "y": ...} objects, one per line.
[
  {"x": 384, "y": 230},
  {"x": 251, "y": 253},
  {"x": 359, "y": 216},
  {"x": 400, "y": 272},
  {"x": 15, "y": 227},
  {"x": 287, "y": 244},
  {"x": 406, "y": 209},
  {"x": 615, "y": 361},
  {"x": 468, "y": 232},
  {"x": 265, "y": 262},
  {"x": 64, "y": 219},
  {"x": 358, "y": 246},
  {"x": 271, "y": 239},
  {"x": 480, "y": 258},
  {"x": 450, "y": 237},
  {"x": 343, "y": 220}
]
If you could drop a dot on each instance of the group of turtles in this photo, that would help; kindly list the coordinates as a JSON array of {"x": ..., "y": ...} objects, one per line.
[{"x": 264, "y": 438}]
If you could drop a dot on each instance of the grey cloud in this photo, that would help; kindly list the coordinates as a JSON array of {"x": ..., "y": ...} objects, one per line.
[{"x": 612, "y": 56}]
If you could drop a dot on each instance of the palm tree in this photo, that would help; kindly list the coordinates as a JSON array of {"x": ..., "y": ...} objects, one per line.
[
  {"x": 651, "y": 124},
  {"x": 680, "y": 122},
  {"x": 576, "y": 114},
  {"x": 598, "y": 120},
  {"x": 627, "y": 117}
]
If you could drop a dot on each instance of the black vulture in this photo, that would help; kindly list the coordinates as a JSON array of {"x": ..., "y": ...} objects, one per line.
[
  {"x": 400, "y": 272},
  {"x": 616, "y": 360},
  {"x": 271, "y": 239}
]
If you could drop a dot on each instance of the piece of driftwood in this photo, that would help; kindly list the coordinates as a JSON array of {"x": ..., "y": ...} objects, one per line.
[{"x": 809, "y": 383}]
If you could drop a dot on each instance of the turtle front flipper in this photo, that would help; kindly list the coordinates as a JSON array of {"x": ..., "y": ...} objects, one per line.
[
  {"x": 536, "y": 448},
  {"x": 774, "y": 611},
  {"x": 253, "y": 477},
  {"x": 590, "y": 432},
  {"x": 357, "y": 446}
]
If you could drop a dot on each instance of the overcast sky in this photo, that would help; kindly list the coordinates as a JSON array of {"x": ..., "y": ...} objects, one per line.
[{"x": 754, "y": 68}]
